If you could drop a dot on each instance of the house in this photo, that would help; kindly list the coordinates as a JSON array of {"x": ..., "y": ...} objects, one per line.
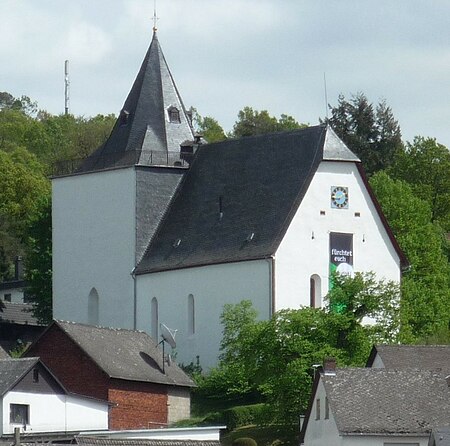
[
  {"x": 35, "y": 401},
  {"x": 375, "y": 407},
  {"x": 440, "y": 437},
  {"x": 14, "y": 290},
  {"x": 121, "y": 366},
  {"x": 398, "y": 357},
  {"x": 157, "y": 227}
]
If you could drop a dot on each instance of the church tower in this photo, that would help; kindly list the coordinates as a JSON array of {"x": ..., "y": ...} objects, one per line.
[{"x": 106, "y": 212}]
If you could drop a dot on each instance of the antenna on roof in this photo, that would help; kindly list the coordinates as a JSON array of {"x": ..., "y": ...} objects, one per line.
[
  {"x": 326, "y": 94},
  {"x": 155, "y": 18},
  {"x": 66, "y": 87},
  {"x": 168, "y": 336}
]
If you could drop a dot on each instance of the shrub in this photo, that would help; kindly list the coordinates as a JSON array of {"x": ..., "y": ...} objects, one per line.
[{"x": 244, "y": 441}]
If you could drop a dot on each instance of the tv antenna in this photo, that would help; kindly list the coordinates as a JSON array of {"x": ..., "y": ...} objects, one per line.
[
  {"x": 66, "y": 87},
  {"x": 168, "y": 335}
]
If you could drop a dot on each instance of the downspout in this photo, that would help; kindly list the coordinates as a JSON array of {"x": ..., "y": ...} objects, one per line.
[
  {"x": 133, "y": 275},
  {"x": 271, "y": 262}
]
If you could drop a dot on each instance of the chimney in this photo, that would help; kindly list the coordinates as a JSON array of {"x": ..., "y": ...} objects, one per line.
[
  {"x": 329, "y": 366},
  {"x": 18, "y": 268}
]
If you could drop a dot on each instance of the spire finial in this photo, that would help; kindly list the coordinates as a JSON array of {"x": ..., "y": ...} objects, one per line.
[{"x": 155, "y": 18}]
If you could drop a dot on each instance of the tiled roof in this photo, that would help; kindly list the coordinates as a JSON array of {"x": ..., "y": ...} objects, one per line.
[
  {"x": 96, "y": 441},
  {"x": 440, "y": 436},
  {"x": 232, "y": 190},
  {"x": 17, "y": 313},
  {"x": 11, "y": 370},
  {"x": 412, "y": 356},
  {"x": 125, "y": 354},
  {"x": 143, "y": 129},
  {"x": 3, "y": 353},
  {"x": 379, "y": 401}
]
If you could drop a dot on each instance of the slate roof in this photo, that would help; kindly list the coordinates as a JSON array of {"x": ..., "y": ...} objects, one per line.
[
  {"x": 3, "y": 353},
  {"x": 239, "y": 196},
  {"x": 379, "y": 401},
  {"x": 17, "y": 313},
  {"x": 440, "y": 437},
  {"x": 96, "y": 441},
  {"x": 12, "y": 370},
  {"x": 142, "y": 133},
  {"x": 125, "y": 354},
  {"x": 412, "y": 356}
]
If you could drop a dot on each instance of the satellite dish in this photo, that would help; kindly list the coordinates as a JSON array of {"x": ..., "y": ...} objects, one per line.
[{"x": 168, "y": 335}]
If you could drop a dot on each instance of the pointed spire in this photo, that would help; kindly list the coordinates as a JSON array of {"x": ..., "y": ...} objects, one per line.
[{"x": 152, "y": 122}]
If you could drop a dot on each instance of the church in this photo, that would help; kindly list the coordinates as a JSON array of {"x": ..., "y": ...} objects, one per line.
[{"x": 157, "y": 226}]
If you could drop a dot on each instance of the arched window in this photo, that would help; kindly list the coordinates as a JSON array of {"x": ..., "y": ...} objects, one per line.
[
  {"x": 174, "y": 115},
  {"x": 191, "y": 315},
  {"x": 315, "y": 291},
  {"x": 155, "y": 319},
  {"x": 93, "y": 304}
]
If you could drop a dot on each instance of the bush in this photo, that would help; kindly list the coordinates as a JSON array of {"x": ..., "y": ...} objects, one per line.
[
  {"x": 243, "y": 415},
  {"x": 244, "y": 441}
]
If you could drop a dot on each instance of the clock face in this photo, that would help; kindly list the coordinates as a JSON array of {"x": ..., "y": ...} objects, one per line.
[{"x": 339, "y": 197}]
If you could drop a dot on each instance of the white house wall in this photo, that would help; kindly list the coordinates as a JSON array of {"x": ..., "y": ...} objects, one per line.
[
  {"x": 93, "y": 246},
  {"x": 304, "y": 251},
  {"x": 52, "y": 413},
  {"x": 212, "y": 287}
]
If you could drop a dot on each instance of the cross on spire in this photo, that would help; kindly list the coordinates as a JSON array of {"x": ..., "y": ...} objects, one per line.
[{"x": 155, "y": 18}]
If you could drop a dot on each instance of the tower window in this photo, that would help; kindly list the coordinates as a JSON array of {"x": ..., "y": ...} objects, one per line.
[
  {"x": 174, "y": 115},
  {"x": 191, "y": 315},
  {"x": 154, "y": 319}
]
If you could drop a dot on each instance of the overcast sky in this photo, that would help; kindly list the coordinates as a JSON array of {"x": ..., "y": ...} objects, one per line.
[{"x": 227, "y": 54}]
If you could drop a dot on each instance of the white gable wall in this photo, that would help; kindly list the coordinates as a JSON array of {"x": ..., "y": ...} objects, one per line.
[
  {"x": 211, "y": 287},
  {"x": 55, "y": 413},
  {"x": 93, "y": 245},
  {"x": 304, "y": 250}
]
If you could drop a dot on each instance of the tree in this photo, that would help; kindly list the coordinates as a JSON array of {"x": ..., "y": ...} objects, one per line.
[
  {"x": 273, "y": 359},
  {"x": 426, "y": 285},
  {"x": 425, "y": 166},
  {"x": 38, "y": 260},
  {"x": 371, "y": 132},
  {"x": 209, "y": 128},
  {"x": 253, "y": 122}
]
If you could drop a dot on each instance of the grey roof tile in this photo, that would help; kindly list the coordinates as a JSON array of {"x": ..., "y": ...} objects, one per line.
[
  {"x": 413, "y": 356},
  {"x": 440, "y": 436},
  {"x": 143, "y": 125},
  {"x": 12, "y": 370},
  {"x": 18, "y": 314},
  {"x": 256, "y": 182},
  {"x": 335, "y": 149},
  {"x": 125, "y": 354},
  {"x": 380, "y": 401},
  {"x": 96, "y": 441}
]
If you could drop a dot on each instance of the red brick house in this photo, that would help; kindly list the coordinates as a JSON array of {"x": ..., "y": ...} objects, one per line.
[{"x": 124, "y": 367}]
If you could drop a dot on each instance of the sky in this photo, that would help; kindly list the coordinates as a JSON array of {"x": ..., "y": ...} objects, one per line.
[{"x": 227, "y": 54}]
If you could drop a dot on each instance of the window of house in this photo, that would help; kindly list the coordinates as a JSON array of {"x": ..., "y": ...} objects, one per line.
[
  {"x": 174, "y": 115},
  {"x": 318, "y": 409},
  {"x": 191, "y": 315},
  {"x": 327, "y": 409},
  {"x": 154, "y": 319},
  {"x": 315, "y": 299},
  {"x": 19, "y": 414},
  {"x": 35, "y": 375},
  {"x": 7, "y": 297},
  {"x": 93, "y": 304}
]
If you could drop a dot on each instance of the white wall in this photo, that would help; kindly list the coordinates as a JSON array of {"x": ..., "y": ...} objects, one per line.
[
  {"x": 179, "y": 402},
  {"x": 93, "y": 245},
  {"x": 16, "y": 295},
  {"x": 212, "y": 287},
  {"x": 324, "y": 432},
  {"x": 56, "y": 413},
  {"x": 299, "y": 255}
]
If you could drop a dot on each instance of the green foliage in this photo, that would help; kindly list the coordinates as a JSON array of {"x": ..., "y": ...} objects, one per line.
[
  {"x": 371, "y": 132},
  {"x": 273, "y": 359},
  {"x": 38, "y": 263},
  {"x": 253, "y": 122},
  {"x": 244, "y": 415},
  {"x": 425, "y": 166},
  {"x": 209, "y": 128},
  {"x": 426, "y": 285},
  {"x": 244, "y": 441}
]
